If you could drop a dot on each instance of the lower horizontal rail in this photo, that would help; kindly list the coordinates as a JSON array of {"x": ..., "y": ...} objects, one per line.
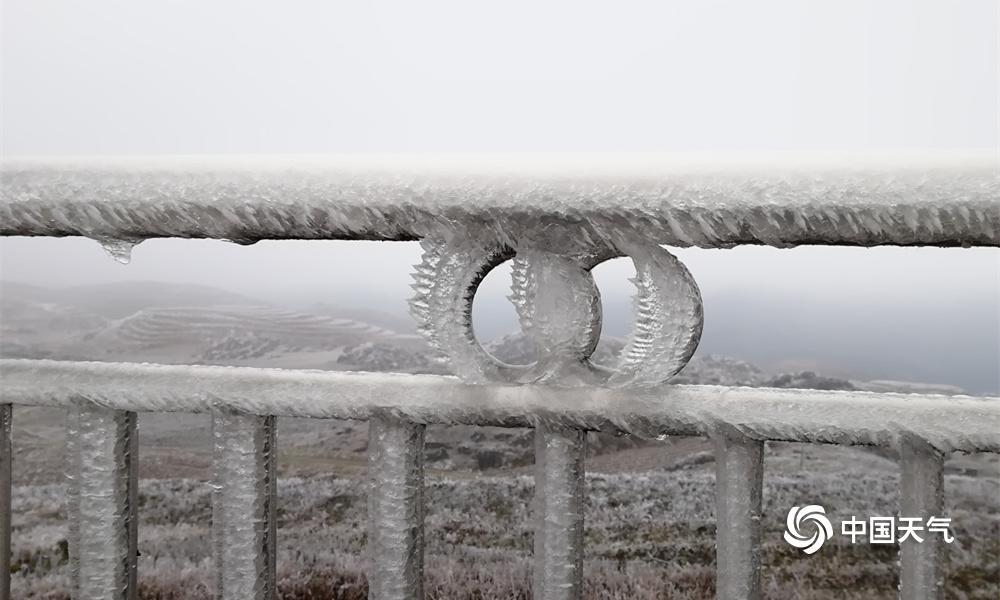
[{"x": 836, "y": 417}]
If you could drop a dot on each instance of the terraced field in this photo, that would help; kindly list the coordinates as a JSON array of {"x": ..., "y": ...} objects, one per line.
[
  {"x": 202, "y": 331},
  {"x": 174, "y": 325}
]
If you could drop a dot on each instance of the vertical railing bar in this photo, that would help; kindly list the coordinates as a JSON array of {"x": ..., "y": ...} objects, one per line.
[
  {"x": 921, "y": 496},
  {"x": 738, "y": 494},
  {"x": 6, "y": 474},
  {"x": 559, "y": 513},
  {"x": 244, "y": 529},
  {"x": 106, "y": 509},
  {"x": 271, "y": 452},
  {"x": 73, "y": 467},
  {"x": 395, "y": 509},
  {"x": 538, "y": 514},
  {"x": 132, "y": 466}
]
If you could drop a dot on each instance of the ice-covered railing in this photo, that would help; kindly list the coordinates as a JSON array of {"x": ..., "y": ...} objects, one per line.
[{"x": 556, "y": 217}]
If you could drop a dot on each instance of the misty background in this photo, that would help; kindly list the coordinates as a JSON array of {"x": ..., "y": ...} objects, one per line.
[{"x": 120, "y": 78}]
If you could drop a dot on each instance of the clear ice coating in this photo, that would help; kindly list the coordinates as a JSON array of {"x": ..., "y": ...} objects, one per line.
[
  {"x": 102, "y": 503},
  {"x": 71, "y": 504},
  {"x": 945, "y": 199},
  {"x": 243, "y": 505},
  {"x": 119, "y": 250},
  {"x": 395, "y": 509},
  {"x": 921, "y": 494},
  {"x": 559, "y": 307},
  {"x": 739, "y": 469},
  {"x": 559, "y": 506},
  {"x": 6, "y": 416},
  {"x": 948, "y": 423}
]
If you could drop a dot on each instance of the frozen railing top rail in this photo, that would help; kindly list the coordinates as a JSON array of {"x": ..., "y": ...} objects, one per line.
[{"x": 942, "y": 199}]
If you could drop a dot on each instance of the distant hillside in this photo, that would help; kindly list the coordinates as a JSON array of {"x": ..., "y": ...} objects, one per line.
[
  {"x": 168, "y": 323},
  {"x": 171, "y": 323},
  {"x": 399, "y": 323},
  {"x": 118, "y": 300}
]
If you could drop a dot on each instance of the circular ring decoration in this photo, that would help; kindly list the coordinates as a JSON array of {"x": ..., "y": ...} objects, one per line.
[
  {"x": 445, "y": 283},
  {"x": 559, "y": 307},
  {"x": 668, "y": 319}
]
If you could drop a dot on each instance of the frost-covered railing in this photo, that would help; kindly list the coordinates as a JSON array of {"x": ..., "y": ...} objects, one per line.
[{"x": 557, "y": 218}]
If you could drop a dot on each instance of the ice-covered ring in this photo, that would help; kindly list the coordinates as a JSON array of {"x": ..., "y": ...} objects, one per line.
[{"x": 559, "y": 307}]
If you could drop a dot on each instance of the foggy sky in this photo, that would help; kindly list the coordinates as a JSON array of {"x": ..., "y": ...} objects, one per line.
[
  {"x": 191, "y": 77},
  {"x": 184, "y": 77}
]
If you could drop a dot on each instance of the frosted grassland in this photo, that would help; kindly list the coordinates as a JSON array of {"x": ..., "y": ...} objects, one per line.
[{"x": 649, "y": 534}]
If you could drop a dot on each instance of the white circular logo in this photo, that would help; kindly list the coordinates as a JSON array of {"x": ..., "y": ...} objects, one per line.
[{"x": 800, "y": 516}]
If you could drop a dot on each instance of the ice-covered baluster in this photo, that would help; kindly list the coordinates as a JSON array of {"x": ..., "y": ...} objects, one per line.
[
  {"x": 921, "y": 496},
  {"x": 243, "y": 505},
  {"x": 560, "y": 311},
  {"x": 101, "y": 500},
  {"x": 71, "y": 500},
  {"x": 739, "y": 468},
  {"x": 5, "y": 477},
  {"x": 395, "y": 509},
  {"x": 559, "y": 513}
]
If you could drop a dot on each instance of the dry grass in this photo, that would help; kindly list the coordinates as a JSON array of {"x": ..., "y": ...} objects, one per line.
[{"x": 649, "y": 535}]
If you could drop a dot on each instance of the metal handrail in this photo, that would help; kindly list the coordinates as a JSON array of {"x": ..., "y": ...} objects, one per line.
[{"x": 558, "y": 217}]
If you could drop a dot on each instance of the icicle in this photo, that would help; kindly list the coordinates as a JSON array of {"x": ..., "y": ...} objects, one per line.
[{"x": 120, "y": 250}]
